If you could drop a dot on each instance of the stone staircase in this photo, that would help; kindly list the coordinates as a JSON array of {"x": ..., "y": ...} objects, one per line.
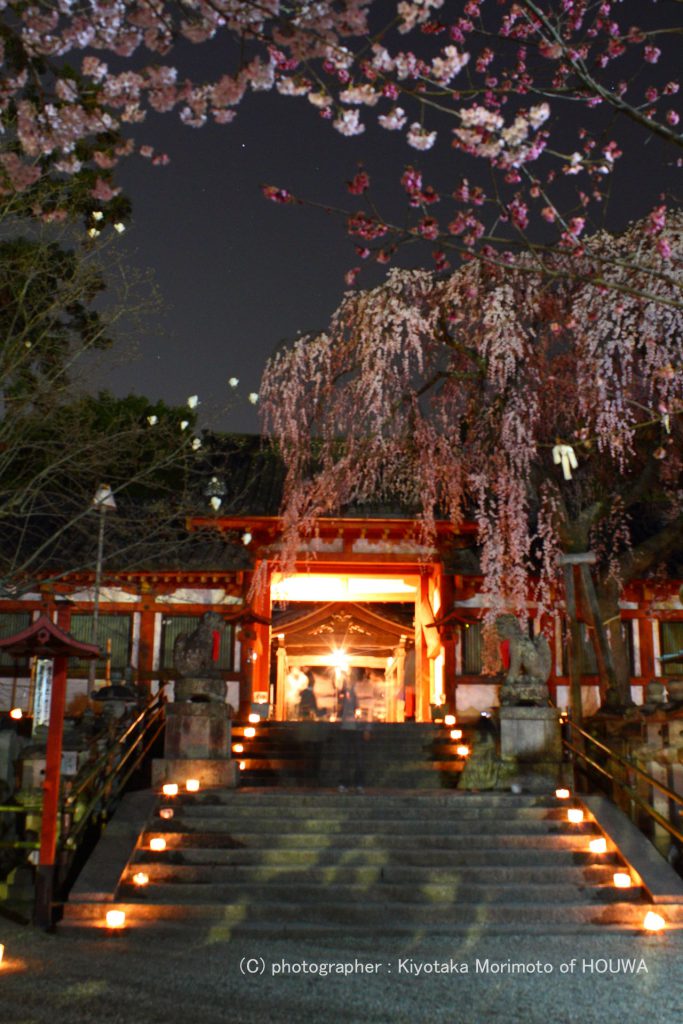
[
  {"x": 408, "y": 755},
  {"x": 269, "y": 862}
]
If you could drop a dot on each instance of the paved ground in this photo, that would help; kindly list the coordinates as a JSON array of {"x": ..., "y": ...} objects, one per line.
[{"x": 166, "y": 977}]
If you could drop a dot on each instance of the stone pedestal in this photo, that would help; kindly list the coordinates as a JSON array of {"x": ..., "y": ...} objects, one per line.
[
  {"x": 197, "y": 745},
  {"x": 200, "y": 729},
  {"x": 531, "y": 735}
]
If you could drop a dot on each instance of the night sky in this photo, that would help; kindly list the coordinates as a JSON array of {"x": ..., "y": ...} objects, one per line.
[{"x": 238, "y": 274}]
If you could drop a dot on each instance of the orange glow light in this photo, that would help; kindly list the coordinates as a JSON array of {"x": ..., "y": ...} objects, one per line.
[
  {"x": 2, "y": 952},
  {"x": 562, "y": 794},
  {"x": 250, "y": 732},
  {"x": 462, "y": 751},
  {"x": 238, "y": 748},
  {"x": 254, "y": 719},
  {"x": 621, "y": 879},
  {"x": 141, "y": 878},
  {"x": 192, "y": 785},
  {"x": 653, "y": 922},
  {"x": 170, "y": 789},
  {"x": 16, "y": 714},
  {"x": 243, "y": 765},
  {"x": 575, "y": 815},
  {"x": 166, "y": 813},
  {"x": 449, "y": 720},
  {"x": 598, "y": 846},
  {"x": 116, "y": 918},
  {"x": 157, "y": 844},
  {"x": 456, "y": 734}
]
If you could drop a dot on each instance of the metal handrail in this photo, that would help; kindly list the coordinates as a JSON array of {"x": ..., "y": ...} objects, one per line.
[
  {"x": 628, "y": 763},
  {"x": 111, "y": 778},
  {"x": 622, "y": 786}
]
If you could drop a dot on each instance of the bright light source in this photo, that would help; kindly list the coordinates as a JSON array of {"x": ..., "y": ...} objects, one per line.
[
  {"x": 254, "y": 719},
  {"x": 170, "y": 789},
  {"x": 250, "y": 732},
  {"x": 141, "y": 878},
  {"x": 463, "y": 750},
  {"x": 653, "y": 922},
  {"x": 166, "y": 813},
  {"x": 2, "y": 952},
  {"x": 339, "y": 659},
  {"x": 621, "y": 879},
  {"x": 243, "y": 765},
  {"x": 598, "y": 845},
  {"x": 575, "y": 815},
  {"x": 449, "y": 720},
  {"x": 116, "y": 918},
  {"x": 192, "y": 785},
  {"x": 562, "y": 794},
  {"x": 157, "y": 844},
  {"x": 16, "y": 714},
  {"x": 238, "y": 748},
  {"x": 456, "y": 734}
]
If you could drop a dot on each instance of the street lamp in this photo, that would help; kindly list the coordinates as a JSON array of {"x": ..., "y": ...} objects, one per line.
[{"x": 104, "y": 501}]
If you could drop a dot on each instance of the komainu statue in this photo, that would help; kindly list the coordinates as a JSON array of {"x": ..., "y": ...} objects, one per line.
[
  {"x": 526, "y": 681},
  {"x": 196, "y": 675}
]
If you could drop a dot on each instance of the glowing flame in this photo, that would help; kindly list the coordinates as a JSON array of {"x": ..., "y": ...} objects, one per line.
[
  {"x": 463, "y": 750},
  {"x": 157, "y": 843},
  {"x": 562, "y": 794},
  {"x": 456, "y": 734},
  {"x": 141, "y": 878},
  {"x": 598, "y": 846},
  {"x": 250, "y": 732},
  {"x": 653, "y": 922},
  {"x": 170, "y": 789},
  {"x": 192, "y": 785},
  {"x": 449, "y": 720},
  {"x": 16, "y": 714},
  {"x": 621, "y": 879},
  {"x": 115, "y": 918},
  {"x": 238, "y": 748},
  {"x": 575, "y": 815}
]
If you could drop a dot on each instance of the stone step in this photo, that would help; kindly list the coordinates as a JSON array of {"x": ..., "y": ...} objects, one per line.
[
  {"x": 331, "y": 798},
  {"x": 367, "y": 874},
  {"x": 390, "y": 835},
  {"x": 435, "y": 894},
  {"x": 220, "y": 815},
  {"x": 382, "y": 918},
  {"x": 346, "y": 856}
]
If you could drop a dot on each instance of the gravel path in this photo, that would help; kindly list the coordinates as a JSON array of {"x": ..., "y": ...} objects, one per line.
[{"x": 172, "y": 977}]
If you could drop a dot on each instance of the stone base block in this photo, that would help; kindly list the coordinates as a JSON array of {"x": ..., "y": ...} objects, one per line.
[
  {"x": 210, "y": 771},
  {"x": 531, "y": 735},
  {"x": 197, "y": 730}
]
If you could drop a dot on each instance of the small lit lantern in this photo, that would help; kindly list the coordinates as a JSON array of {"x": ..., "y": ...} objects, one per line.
[
  {"x": 621, "y": 879},
  {"x": 456, "y": 734},
  {"x": 166, "y": 813},
  {"x": 243, "y": 765},
  {"x": 575, "y": 815},
  {"x": 653, "y": 922},
  {"x": 463, "y": 750},
  {"x": 2, "y": 952},
  {"x": 192, "y": 785},
  {"x": 598, "y": 845},
  {"x": 562, "y": 794},
  {"x": 250, "y": 732},
  {"x": 141, "y": 878},
  {"x": 17, "y": 714},
  {"x": 158, "y": 843},
  {"x": 116, "y": 918},
  {"x": 449, "y": 720},
  {"x": 170, "y": 789},
  {"x": 238, "y": 748},
  {"x": 254, "y": 719}
]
